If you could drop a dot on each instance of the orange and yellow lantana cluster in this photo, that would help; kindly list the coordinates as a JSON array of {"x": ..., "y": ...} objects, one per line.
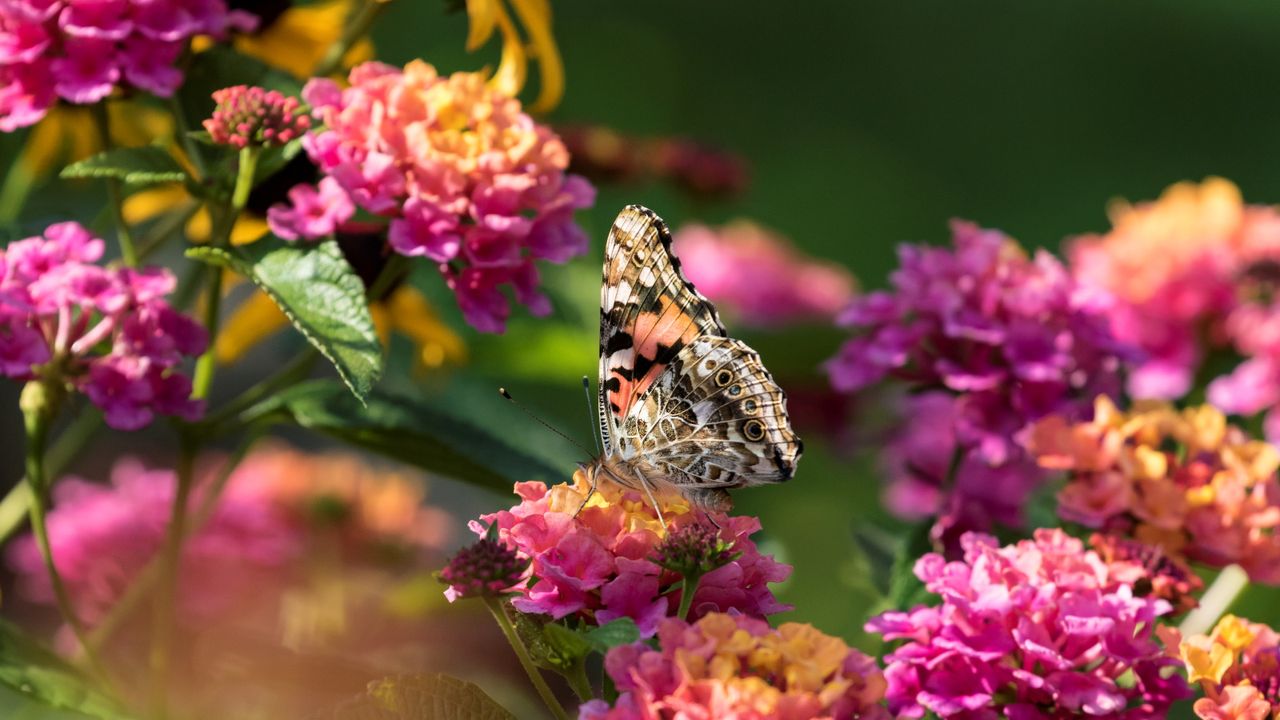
[
  {"x": 1183, "y": 480},
  {"x": 1236, "y": 665}
]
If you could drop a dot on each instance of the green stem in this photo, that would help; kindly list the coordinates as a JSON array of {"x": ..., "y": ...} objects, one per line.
[
  {"x": 357, "y": 27},
  {"x": 396, "y": 268},
  {"x": 539, "y": 683},
  {"x": 15, "y": 505},
  {"x": 170, "y": 570},
  {"x": 577, "y": 677},
  {"x": 19, "y": 181},
  {"x": 115, "y": 191},
  {"x": 688, "y": 587},
  {"x": 183, "y": 131},
  {"x": 38, "y": 404},
  {"x": 143, "y": 585},
  {"x": 292, "y": 373}
]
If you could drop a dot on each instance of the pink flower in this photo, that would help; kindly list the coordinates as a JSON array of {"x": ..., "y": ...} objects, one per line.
[
  {"x": 82, "y": 50},
  {"x": 254, "y": 116},
  {"x": 759, "y": 276},
  {"x": 1038, "y": 629},
  {"x": 731, "y": 666},
  {"x": 255, "y": 545},
  {"x": 603, "y": 563},
  {"x": 108, "y": 332},
  {"x": 997, "y": 340},
  {"x": 315, "y": 211},
  {"x": 467, "y": 179}
]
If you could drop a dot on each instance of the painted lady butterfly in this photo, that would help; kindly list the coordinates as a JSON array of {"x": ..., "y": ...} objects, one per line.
[{"x": 682, "y": 404}]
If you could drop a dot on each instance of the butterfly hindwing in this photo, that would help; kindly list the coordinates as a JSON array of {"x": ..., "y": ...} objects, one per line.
[
  {"x": 649, "y": 312},
  {"x": 715, "y": 419}
]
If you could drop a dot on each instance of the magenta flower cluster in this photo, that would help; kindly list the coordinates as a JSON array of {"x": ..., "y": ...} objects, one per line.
[
  {"x": 469, "y": 181},
  {"x": 81, "y": 50},
  {"x": 1013, "y": 338},
  {"x": 255, "y": 116},
  {"x": 1036, "y": 630},
  {"x": 107, "y": 332},
  {"x": 601, "y": 563}
]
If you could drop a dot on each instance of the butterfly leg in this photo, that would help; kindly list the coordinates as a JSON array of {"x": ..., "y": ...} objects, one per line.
[
  {"x": 595, "y": 481},
  {"x": 644, "y": 483}
]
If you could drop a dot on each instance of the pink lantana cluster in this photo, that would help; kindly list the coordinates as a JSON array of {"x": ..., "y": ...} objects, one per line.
[
  {"x": 253, "y": 546},
  {"x": 255, "y": 116},
  {"x": 1035, "y": 630},
  {"x": 730, "y": 666},
  {"x": 107, "y": 332},
  {"x": 1012, "y": 338},
  {"x": 81, "y": 50},
  {"x": 469, "y": 181},
  {"x": 601, "y": 564},
  {"x": 759, "y": 276}
]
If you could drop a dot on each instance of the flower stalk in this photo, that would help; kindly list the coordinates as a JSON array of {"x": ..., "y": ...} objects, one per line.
[
  {"x": 539, "y": 683},
  {"x": 115, "y": 192},
  {"x": 39, "y": 403}
]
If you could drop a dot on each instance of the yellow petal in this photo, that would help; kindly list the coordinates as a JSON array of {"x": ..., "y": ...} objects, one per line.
[
  {"x": 535, "y": 15},
  {"x": 302, "y": 35},
  {"x": 436, "y": 342},
  {"x": 512, "y": 69},
  {"x": 1233, "y": 632},
  {"x": 147, "y": 204},
  {"x": 483, "y": 16},
  {"x": 254, "y": 320},
  {"x": 249, "y": 228},
  {"x": 1206, "y": 664}
]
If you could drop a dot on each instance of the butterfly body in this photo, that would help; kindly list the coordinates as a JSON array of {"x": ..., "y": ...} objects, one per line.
[{"x": 682, "y": 405}]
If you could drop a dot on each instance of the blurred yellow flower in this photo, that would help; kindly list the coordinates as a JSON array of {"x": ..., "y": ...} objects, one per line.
[
  {"x": 535, "y": 16},
  {"x": 405, "y": 311},
  {"x": 298, "y": 40}
]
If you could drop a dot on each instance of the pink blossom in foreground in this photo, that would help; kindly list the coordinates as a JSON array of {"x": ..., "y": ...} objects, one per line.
[
  {"x": 1039, "y": 629},
  {"x": 1009, "y": 338},
  {"x": 730, "y": 666},
  {"x": 758, "y": 276},
  {"x": 280, "y": 508},
  {"x": 603, "y": 563},
  {"x": 470, "y": 182},
  {"x": 110, "y": 333},
  {"x": 82, "y": 50}
]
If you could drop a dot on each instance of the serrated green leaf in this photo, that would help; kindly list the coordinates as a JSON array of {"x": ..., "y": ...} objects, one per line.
[
  {"x": 321, "y": 295},
  {"x": 137, "y": 166},
  {"x": 905, "y": 589},
  {"x": 421, "y": 697},
  {"x": 622, "y": 631},
  {"x": 412, "y": 432},
  {"x": 38, "y": 680}
]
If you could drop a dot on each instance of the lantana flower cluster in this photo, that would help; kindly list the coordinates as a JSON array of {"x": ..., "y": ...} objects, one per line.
[
  {"x": 82, "y": 50},
  {"x": 1012, "y": 338},
  {"x": 247, "y": 115},
  {"x": 251, "y": 547},
  {"x": 759, "y": 276},
  {"x": 469, "y": 181},
  {"x": 108, "y": 332},
  {"x": 1237, "y": 666},
  {"x": 1184, "y": 480},
  {"x": 601, "y": 564},
  {"x": 731, "y": 666},
  {"x": 1039, "y": 629}
]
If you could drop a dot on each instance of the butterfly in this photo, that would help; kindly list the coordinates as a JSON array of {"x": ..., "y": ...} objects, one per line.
[{"x": 682, "y": 405}]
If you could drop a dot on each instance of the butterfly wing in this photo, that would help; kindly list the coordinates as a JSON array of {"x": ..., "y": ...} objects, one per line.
[
  {"x": 649, "y": 313},
  {"x": 713, "y": 421}
]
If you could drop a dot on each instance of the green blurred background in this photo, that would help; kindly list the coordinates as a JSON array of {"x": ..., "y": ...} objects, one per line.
[{"x": 864, "y": 124}]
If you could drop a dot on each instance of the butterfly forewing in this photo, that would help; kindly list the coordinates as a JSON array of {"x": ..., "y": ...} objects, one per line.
[
  {"x": 681, "y": 403},
  {"x": 648, "y": 313}
]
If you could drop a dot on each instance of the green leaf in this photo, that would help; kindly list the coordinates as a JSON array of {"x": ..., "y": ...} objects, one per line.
[
  {"x": 622, "y": 631},
  {"x": 421, "y": 697},
  {"x": 320, "y": 294},
  {"x": 137, "y": 166},
  {"x": 563, "y": 647},
  {"x": 38, "y": 684},
  {"x": 409, "y": 431},
  {"x": 905, "y": 589}
]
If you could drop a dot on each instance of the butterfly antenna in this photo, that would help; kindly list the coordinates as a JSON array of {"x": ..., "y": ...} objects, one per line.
[
  {"x": 542, "y": 422},
  {"x": 591, "y": 415}
]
